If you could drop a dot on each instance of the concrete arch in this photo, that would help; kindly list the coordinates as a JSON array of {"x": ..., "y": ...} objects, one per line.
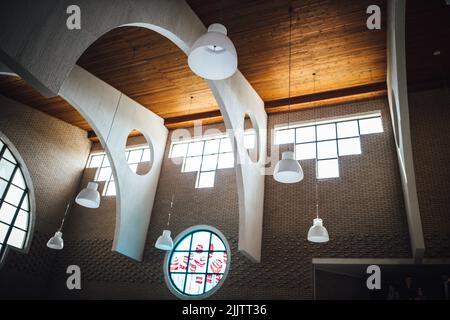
[
  {"x": 37, "y": 45},
  {"x": 113, "y": 118}
]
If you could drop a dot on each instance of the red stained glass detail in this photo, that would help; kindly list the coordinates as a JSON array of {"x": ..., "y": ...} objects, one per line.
[
  {"x": 199, "y": 279},
  {"x": 175, "y": 264}
]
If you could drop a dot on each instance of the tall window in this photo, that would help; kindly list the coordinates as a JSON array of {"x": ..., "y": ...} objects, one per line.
[
  {"x": 99, "y": 160},
  {"x": 198, "y": 263},
  {"x": 14, "y": 202},
  {"x": 329, "y": 140},
  {"x": 206, "y": 155}
]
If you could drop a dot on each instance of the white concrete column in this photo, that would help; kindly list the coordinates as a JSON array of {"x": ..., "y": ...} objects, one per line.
[{"x": 398, "y": 103}]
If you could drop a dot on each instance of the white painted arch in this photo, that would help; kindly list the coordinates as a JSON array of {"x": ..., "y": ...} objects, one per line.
[{"x": 36, "y": 44}]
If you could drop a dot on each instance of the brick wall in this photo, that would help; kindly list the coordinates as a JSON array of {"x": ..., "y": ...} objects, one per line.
[
  {"x": 363, "y": 211},
  {"x": 430, "y": 134},
  {"x": 55, "y": 154}
]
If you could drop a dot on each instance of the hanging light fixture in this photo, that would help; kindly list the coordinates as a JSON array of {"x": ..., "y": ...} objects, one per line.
[
  {"x": 288, "y": 170},
  {"x": 165, "y": 241},
  {"x": 89, "y": 197},
  {"x": 317, "y": 232},
  {"x": 213, "y": 56},
  {"x": 56, "y": 242}
]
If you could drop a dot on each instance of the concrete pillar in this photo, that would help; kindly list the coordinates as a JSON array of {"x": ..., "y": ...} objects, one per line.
[{"x": 398, "y": 103}]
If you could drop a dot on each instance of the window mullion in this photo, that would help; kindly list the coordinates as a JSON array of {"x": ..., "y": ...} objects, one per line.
[
  {"x": 207, "y": 262},
  {"x": 11, "y": 226},
  {"x": 187, "y": 264}
]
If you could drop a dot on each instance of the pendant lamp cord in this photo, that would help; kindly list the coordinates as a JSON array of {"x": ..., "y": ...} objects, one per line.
[
  {"x": 221, "y": 11},
  {"x": 171, "y": 209},
  {"x": 175, "y": 188},
  {"x": 190, "y": 105},
  {"x": 290, "y": 66},
  {"x": 64, "y": 218},
  {"x": 114, "y": 117},
  {"x": 120, "y": 98},
  {"x": 317, "y": 161}
]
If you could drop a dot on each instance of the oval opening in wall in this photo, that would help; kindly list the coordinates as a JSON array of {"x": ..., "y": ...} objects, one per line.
[
  {"x": 138, "y": 153},
  {"x": 251, "y": 142}
]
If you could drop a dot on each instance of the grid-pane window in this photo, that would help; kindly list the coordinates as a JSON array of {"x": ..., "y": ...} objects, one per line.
[
  {"x": 326, "y": 141},
  {"x": 100, "y": 161},
  {"x": 14, "y": 202},
  {"x": 206, "y": 155},
  {"x": 198, "y": 262}
]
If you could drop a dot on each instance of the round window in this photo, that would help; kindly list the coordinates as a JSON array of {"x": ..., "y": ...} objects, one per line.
[{"x": 198, "y": 264}]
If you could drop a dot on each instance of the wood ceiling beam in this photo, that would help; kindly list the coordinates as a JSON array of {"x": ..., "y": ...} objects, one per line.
[
  {"x": 327, "y": 98},
  {"x": 345, "y": 92},
  {"x": 277, "y": 106}
]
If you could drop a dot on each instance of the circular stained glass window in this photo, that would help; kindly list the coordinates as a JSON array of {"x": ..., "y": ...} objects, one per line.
[{"x": 198, "y": 264}]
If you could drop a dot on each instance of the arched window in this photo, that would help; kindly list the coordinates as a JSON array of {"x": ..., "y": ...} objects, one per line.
[
  {"x": 15, "y": 205},
  {"x": 198, "y": 264}
]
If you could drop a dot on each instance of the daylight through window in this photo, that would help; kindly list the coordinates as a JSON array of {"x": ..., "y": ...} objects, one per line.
[
  {"x": 198, "y": 262},
  {"x": 328, "y": 140},
  {"x": 206, "y": 155},
  {"x": 133, "y": 155},
  {"x": 14, "y": 202}
]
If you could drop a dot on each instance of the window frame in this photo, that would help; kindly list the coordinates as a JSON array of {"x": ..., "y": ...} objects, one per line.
[
  {"x": 334, "y": 121},
  {"x": 166, "y": 266},
  {"x": 205, "y": 139},
  {"x": 106, "y": 183},
  {"x": 28, "y": 191}
]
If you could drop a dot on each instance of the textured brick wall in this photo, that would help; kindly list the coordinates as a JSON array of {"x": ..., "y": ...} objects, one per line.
[
  {"x": 55, "y": 154},
  {"x": 430, "y": 134},
  {"x": 363, "y": 211}
]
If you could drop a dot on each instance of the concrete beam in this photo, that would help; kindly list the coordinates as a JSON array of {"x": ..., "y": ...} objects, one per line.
[{"x": 36, "y": 44}]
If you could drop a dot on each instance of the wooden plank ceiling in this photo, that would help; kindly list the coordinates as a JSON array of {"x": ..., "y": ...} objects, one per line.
[{"x": 329, "y": 37}]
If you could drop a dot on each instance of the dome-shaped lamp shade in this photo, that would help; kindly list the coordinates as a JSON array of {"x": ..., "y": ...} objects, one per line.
[
  {"x": 89, "y": 196},
  {"x": 318, "y": 233},
  {"x": 164, "y": 241},
  {"x": 56, "y": 242},
  {"x": 288, "y": 170},
  {"x": 213, "y": 56}
]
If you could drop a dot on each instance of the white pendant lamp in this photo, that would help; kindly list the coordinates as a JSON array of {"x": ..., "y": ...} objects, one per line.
[
  {"x": 318, "y": 233},
  {"x": 56, "y": 242},
  {"x": 164, "y": 241},
  {"x": 213, "y": 56},
  {"x": 288, "y": 170},
  {"x": 89, "y": 197}
]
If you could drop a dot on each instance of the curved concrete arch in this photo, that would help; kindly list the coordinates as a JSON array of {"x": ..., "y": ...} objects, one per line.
[
  {"x": 37, "y": 45},
  {"x": 5, "y": 71},
  {"x": 115, "y": 115}
]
